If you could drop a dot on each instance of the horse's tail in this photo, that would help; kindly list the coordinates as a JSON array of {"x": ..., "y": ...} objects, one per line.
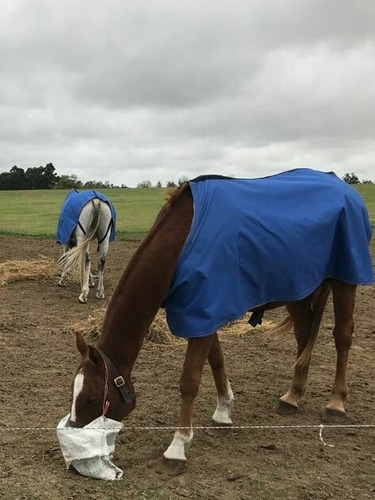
[
  {"x": 284, "y": 326},
  {"x": 76, "y": 256},
  {"x": 318, "y": 304}
]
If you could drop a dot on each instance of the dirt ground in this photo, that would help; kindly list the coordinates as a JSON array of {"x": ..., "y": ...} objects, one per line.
[{"x": 38, "y": 358}]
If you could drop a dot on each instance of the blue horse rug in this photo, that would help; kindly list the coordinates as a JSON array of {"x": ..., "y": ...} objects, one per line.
[
  {"x": 273, "y": 239},
  {"x": 71, "y": 210}
]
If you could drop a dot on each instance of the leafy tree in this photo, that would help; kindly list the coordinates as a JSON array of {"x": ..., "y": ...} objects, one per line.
[
  {"x": 94, "y": 185},
  {"x": 42, "y": 177},
  {"x": 183, "y": 179},
  {"x": 69, "y": 182},
  {"x": 50, "y": 178},
  {"x": 18, "y": 179},
  {"x": 91, "y": 185},
  {"x": 33, "y": 178},
  {"x": 351, "y": 178},
  {"x": 5, "y": 180},
  {"x": 144, "y": 184},
  {"x": 171, "y": 184}
]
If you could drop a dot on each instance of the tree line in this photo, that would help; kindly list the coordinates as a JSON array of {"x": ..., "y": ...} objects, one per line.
[
  {"x": 47, "y": 178},
  {"x": 32, "y": 178},
  {"x": 352, "y": 178}
]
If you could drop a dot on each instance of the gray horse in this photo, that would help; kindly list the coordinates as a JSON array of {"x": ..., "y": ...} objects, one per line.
[{"x": 85, "y": 216}]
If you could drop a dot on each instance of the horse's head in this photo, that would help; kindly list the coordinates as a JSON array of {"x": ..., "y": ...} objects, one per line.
[{"x": 98, "y": 389}]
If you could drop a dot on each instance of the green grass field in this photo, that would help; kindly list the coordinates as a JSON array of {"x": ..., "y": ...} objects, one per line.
[
  {"x": 35, "y": 213},
  {"x": 367, "y": 191}
]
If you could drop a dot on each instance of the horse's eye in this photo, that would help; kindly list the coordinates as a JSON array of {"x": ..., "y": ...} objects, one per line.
[{"x": 93, "y": 399}]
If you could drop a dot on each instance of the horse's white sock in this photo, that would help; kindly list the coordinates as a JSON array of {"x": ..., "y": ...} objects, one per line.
[
  {"x": 176, "y": 450},
  {"x": 223, "y": 409}
]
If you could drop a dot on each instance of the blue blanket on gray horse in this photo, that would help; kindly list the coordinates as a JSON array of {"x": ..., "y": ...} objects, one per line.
[
  {"x": 256, "y": 241},
  {"x": 71, "y": 210}
]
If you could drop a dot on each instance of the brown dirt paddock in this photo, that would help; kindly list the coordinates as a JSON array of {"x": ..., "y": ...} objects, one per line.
[{"x": 38, "y": 358}]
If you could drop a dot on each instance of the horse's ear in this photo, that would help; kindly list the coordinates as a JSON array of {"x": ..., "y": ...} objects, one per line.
[
  {"x": 88, "y": 351},
  {"x": 94, "y": 356},
  {"x": 82, "y": 345}
]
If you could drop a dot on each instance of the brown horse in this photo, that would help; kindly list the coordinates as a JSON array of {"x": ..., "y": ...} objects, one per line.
[{"x": 143, "y": 288}]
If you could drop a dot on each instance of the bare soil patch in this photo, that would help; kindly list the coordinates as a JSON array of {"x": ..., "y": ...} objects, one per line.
[{"x": 38, "y": 358}]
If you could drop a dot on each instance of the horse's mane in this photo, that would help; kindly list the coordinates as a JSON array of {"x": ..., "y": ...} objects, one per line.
[
  {"x": 175, "y": 192},
  {"x": 170, "y": 201}
]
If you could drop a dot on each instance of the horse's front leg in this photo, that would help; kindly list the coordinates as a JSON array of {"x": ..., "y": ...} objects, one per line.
[
  {"x": 222, "y": 415},
  {"x": 62, "y": 281},
  {"x": 195, "y": 358},
  {"x": 103, "y": 249},
  {"x": 85, "y": 277}
]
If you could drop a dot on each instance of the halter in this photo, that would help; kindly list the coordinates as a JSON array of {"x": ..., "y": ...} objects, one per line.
[{"x": 118, "y": 380}]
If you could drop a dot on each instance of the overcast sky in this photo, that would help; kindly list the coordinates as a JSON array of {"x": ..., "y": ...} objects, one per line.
[{"x": 126, "y": 91}]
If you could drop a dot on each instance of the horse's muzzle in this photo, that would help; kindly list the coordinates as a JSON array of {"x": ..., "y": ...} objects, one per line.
[{"x": 71, "y": 423}]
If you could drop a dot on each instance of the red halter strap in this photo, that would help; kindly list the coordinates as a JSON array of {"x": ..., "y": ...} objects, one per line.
[{"x": 105, "y": 400}]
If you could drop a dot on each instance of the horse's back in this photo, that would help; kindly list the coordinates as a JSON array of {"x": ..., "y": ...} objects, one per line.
[
  {"x": 78, "y": 208},
  {"x": 256, "y": 241}
]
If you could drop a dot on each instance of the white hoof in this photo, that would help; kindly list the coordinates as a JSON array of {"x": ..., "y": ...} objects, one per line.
[
  {"x": 62, "y": 283},
  {"x": 100, "y": 295},
  {"x": 82, "y": 299}
]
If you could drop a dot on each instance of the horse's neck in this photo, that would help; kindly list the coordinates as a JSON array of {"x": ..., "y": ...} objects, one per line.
[{"x": 145, "y": 282}]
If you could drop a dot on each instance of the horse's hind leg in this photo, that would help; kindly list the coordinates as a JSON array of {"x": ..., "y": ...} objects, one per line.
[
  {"x": 222, "y": 415},
  {"x": 91, "y": 280},
  {"x": 195, "y": 358},
  {"x": 302, "y": 315},
  {"x": 103, "y": 249},
  {"x": 343, "y": 303},
  {"x": 62, "y": 281},
  {"x": 85, "y": 278}
]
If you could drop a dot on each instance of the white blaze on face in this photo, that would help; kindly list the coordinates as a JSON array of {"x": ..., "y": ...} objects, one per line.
[{"x": 77, "y": 389}]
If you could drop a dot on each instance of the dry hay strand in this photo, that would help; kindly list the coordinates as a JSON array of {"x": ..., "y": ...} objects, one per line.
[
  {"x": 20, "y": 270},
  {"x": 90, "y": 328},
  {"x": 271, "y": 327},
  {"x": 159, "y": 333},
  {"x": 242, "y": 327}
]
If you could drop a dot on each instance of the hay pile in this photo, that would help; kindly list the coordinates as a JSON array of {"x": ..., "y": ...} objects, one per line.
[
  {"x": 19, "y": 270},
  {"x": 158, "y": 332},
  {"x": 90, "y": 328}
]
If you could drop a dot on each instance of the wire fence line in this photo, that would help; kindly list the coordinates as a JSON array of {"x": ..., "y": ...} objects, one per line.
[
  {"x": 319, "y": 427},
  {"x": 208, "y": 427}
]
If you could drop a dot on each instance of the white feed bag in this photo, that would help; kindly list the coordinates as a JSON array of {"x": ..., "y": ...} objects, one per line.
[{"x": 89, "y": 449}]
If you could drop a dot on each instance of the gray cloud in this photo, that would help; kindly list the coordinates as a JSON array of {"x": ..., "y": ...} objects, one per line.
[{"x": 129, "y": 91}]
